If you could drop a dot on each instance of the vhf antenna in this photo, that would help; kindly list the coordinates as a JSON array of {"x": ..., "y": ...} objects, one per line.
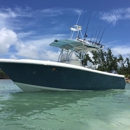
[
  {"x": 78, "y": 17},
  {"x": 75, "y": 27}
]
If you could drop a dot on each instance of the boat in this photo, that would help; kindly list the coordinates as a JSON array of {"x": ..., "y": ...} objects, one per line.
[{"x": 67, "y": 74}]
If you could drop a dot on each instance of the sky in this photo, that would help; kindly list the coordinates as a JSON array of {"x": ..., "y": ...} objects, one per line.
[{"x": 27, "y": 27}]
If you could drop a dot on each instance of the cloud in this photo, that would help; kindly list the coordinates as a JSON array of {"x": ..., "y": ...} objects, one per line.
[
  {"x": 38, "y": 48},
  {"x": 55, "y": 12},
  {"x": 77, "y": 11},
  {"x": 22, "y": 35},
  {"x": 36, "y": 52},
  {"x": 123, "y": 50},
  {"x": 11, "y": 18},
  {"x": 25, "y": 34},
  {"x": 28, "y": 51},
  {"x": 28, "y": 12},
  {"x": 51, "y": 12},
  {"x": 7, "y": 13},
  {"x": 13, "y": 57},
  {"x": 115, "y": 15},
  {"x": 15, "y": 12},
  {"x": 27, "y": 44},
  {"x": 7, "y": 38},
  {"x": 50, "y": 55},
  {"x": 16, "y": 18},
  {"x": 118, "y": 48}
]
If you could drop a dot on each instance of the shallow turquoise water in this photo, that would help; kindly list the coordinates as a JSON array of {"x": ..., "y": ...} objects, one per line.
[{"x": 52, "y": 110}]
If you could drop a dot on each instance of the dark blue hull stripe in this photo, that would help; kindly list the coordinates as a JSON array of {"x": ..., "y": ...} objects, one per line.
[{"x": 60, "y": 77}]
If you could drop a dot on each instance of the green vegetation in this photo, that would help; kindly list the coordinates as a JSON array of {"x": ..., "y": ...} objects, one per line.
[
  {"x": 3, "y": 75},
  {"x": 106, "y": 61}
]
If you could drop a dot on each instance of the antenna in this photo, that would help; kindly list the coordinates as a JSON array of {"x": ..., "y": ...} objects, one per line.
[
  {"x": 85, "y": 35},
  {"x": 101, "y": 36},
  {"x": 78, "y": 17},
  {"x": 75, "y": 28}
]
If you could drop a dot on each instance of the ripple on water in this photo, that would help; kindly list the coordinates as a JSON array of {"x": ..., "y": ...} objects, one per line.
[{"x": 91, "y": 110}]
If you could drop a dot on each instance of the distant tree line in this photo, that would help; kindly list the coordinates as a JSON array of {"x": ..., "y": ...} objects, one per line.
[
  {"x": 3, "y": 75},
  {"x": 106, "y": 61}
]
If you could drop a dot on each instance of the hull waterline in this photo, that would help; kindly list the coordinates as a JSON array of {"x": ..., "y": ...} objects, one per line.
[{"x": 35, "y": 88}]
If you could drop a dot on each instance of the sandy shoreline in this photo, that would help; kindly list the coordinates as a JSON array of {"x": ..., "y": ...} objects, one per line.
[{"x": 127, "y": 80}]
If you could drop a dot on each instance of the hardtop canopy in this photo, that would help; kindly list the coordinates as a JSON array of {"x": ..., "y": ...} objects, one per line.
[{"x": 73, "y": 45}]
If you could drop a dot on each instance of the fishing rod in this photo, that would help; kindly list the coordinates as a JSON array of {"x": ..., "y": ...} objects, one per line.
[
  {"x": 98, "y": 34},
  {"x": 84, "y": 20},
  {"x": 92, "y": 35},
  {"x": 81, "y": 26},
  {"x": 85, "y": 35},
  {"x": 95, "y": 36},
  {"x": 101, "y": 36}
]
